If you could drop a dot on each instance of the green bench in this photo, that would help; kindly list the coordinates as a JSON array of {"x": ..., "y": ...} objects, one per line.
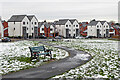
[{"x": 37, "y": 51}]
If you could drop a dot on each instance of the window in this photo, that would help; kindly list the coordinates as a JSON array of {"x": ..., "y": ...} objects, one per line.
[
  {"x": 69, "y": 25},
  {"x": 35, "y": 23},
  {"x": 104, "y": 26},
  {"x": 76, "y": 25},
  {"x": 91, "y": 30},
  {"x": 107, "y": 26},
  {"x": 23, "y": 23},
  {"x": 32, "y": 22},
  {"x": 27, "y": 22},
  {"x": 66, "y": 25},
  {"x": 51, "y": 29},
  {"x": 42, "y": 29},
  {"x": 32, "y": 28},
  {"x": 27, "y": 28},
  {"x": 14, "y": 22},
  {"x": 14, "y": 28},
  {"x": 97, "y": 26}
]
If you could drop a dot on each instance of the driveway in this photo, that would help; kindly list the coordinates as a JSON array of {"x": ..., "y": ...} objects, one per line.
[{"x": 51, "y": 69}]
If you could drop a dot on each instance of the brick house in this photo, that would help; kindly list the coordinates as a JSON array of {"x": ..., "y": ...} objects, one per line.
[
  {"x": 83, "y": 28},
  {"x": 46, "y": 29},
  {"x": 5, "y": 25}
]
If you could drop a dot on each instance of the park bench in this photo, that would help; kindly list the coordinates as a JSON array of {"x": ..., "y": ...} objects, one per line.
[{"x": 41, "y": 50}]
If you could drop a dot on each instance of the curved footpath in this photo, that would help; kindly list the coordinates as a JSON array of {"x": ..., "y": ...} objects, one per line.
[{"x": 50, "y": 69}]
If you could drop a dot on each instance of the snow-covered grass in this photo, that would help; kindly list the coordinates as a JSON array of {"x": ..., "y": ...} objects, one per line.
[
  {"x": 15, "y": 56},
  {"x": 105, "y": 58}
]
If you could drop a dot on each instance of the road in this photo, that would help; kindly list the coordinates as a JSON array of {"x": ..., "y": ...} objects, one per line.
[{"x": 50, "y": 69}]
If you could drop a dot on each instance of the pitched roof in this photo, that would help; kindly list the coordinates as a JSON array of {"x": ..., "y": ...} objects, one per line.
[
  {"x": 72, "y": 20},
  {"x": 93, "y": 23},
  {"x": 47, "y": 25},
  {"x": 30, "y": 17},
  {"x": 62, "y": 21},
  {"x": 102, "y": 22},
  {"x": 84, "y": 24},
  {"x": 16, "y": 18}
]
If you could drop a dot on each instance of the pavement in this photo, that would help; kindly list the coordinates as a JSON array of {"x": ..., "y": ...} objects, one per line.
[{"x": 51, "y": 69}]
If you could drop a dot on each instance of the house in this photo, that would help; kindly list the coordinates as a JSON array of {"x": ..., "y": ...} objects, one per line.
[
  {"x": 112, "y": 29},
  {"x": 5, "y": 25},
  {"x": 98, "y": 28},
  {"x": 22, "y": 26},
  {"x": 46, "y": 29},
  {"x": 33, "y": 26},
  {"x": 67, "y": 27},
  {"x": 83, "y": 28}
]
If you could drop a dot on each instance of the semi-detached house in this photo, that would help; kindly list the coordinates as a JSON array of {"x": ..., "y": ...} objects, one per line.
[
  {"x": 98, "y": 29},
  {"x": 23, "y": 26},
  {"x": 67, "y": 27},
  {"x": 46, "y": 29}
]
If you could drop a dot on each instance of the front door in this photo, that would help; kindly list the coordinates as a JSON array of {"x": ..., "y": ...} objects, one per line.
[
  {"x": 35, "y": 32},
  {"x": 67, "y": 33},
  {"x": 107, "y": 32},
  {"x": 98, "y": 33},
  {"x": 24, "y": 32},
  {"x": 77, "y": 32}
]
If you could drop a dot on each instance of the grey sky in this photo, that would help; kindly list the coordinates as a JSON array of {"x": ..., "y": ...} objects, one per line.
[{"x": 83, "y": 10}]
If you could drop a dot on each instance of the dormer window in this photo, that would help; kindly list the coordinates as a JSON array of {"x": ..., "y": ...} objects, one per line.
[{"x": 23, "y": 23}]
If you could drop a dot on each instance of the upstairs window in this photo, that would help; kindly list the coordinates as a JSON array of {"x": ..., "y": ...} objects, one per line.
[
  {"x": 42, "y": 29},
  {"x": 35, "y": 23},
  {"x": 66, "y": 25},
  {"x": 97, "y": 26},
  {"x": 51, "y": 29},
  {"x": 69, "y": 25},
  {"x": 76, "y": 25},
  {"x": 27, "y": 22},
  {"x": 32, "y": 28},
  {"x": 23, "y": 23}
]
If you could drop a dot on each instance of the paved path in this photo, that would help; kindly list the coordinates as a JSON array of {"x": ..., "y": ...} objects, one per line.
[{"x": 52, "y": 68}]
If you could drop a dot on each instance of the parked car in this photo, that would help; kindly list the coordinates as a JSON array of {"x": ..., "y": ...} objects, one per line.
[
  {"x": 6, "y": 39},
  {"x": 58, "y": 37},
  {"x": 80, "y": 37},
  {"x": 87, "y": 37},
  {"x": 42, "y": 37}
]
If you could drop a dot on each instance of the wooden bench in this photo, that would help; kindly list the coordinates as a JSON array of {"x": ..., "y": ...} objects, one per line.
[{"x": 41, "y": 50}]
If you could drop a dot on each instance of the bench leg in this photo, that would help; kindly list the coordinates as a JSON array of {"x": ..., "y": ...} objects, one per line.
[
  {"x": 38, "y": 59},
  {"x": 44, "y": 56}
]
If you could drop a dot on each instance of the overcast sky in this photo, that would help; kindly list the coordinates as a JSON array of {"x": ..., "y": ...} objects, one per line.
[{"x": 50, "y": 10}]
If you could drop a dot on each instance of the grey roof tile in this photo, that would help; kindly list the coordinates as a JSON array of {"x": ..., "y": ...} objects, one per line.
[
  {"x": 62, "y": 21},
  {"x": 16, "y": 18}
]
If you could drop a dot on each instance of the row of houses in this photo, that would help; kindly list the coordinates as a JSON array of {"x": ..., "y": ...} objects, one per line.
[
  {"x": 27, "y": 26},
  {"x": 99, "y": 29}
]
